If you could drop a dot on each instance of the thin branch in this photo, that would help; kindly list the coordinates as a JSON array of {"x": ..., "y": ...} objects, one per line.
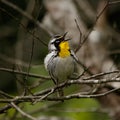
[
  {"x": 12, "y": 60},
  {"x": 45, "y": 96},
  {"x": 22, "y": 112},
  {"x": 26, "y": 15},
  {"x": 97, "y": 17},
  {"x": 31, "y": 56},
  {"x": 114, "y": 2},
  {"x": 5, "y": 108},
  {"x": 32, "y": 98},
  {"x": 104, "y": 8},
  {"x": 101, "y": 74},
  {"x": 24, "y": 73},
  {"x": 5, "y": 95},
  {"x": 85, "y": 68},
  {"x": 78, "y": 95},
  {"x": 80, "y": 41},
  {"x": 82, "y": 81},
  {"x": 26, "y": 78},
  {"x": 93, "y": 81},
  {"x": 72, "y": 96}
]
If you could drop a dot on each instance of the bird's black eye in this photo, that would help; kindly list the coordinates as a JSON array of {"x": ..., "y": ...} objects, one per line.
[{"x": 57, "y": 41}]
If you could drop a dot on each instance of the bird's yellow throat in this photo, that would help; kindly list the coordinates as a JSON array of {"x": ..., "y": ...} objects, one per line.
[{"x": 64, "y": 49}]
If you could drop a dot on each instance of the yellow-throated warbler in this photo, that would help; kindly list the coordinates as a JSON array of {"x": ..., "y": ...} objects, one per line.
[{"x": 60, "y": 61}]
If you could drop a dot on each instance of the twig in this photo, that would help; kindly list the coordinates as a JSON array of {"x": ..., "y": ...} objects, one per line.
[
  {"x": 101, "y": 74},
  {"x": 77, "y": 95},
  {"x": 80, "y": 41},
  {"x": 87, "y": 35},
  {"x": 12, "y": 60},
  {"x": 5, "y": 94},
  {"x": 30, "y": 98},
  {"x": 44, "y": 96},
  {"x": 22, "y": 112},
  {"x": 82, "y": 81},
  {"x": 113, "y": 2},
  {"x": 101, "y": 12},
  {"x": 27, "y": 16},
  {"x": 85, "y": 68},
  {"x": 22, "y": 12},
  {"x": 31, "y": 56},
  {"x": 93, "y": 81},
  {"x": 26, "y": 78},
  {"x": 97, "y": 17},
  {"x": 24, "y": 73},
  {"x": 5, "y": 108}
]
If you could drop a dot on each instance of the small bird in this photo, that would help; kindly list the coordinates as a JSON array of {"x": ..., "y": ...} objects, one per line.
[{"x": 60, "y": 61}]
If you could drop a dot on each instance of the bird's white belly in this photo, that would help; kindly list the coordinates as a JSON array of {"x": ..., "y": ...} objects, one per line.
[{"x": 64, "y": 68}]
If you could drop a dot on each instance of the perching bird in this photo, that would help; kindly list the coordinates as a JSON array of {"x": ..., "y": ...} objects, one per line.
[{"x": 60, "y": 61}]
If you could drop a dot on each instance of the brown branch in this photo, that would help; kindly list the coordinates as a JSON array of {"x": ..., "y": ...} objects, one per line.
[
  {"x": 22, "y": 112},
  {"x": 17, "y": 20},
  {"x": 31, "y": 98},
  {"x": 48, "y": 78},
  {"x": 87, "y": 35},
  {"x": 25, "y": 14},
  {"x": 97, "y": 18},
  {"x": 93, "y": 81},
  {"x": 44, "y": 95},
  {"x": 86, "y": 80},
  {"x": 24, "y": 73},
  {"x": 12, "y": 60},
  {"x": 5, "y": 95},
  {"x": 80, "y": 41},
  {"x": 78, "y": 95},
  {"x": 28, "y": 70},
  {"x": 113, "y": 2},
  {"x": 5, "y": 108},
  {"x": 101, "y": 74},
  {"x": 101, "y": 12},
  {"x": 81, "y": 81}
]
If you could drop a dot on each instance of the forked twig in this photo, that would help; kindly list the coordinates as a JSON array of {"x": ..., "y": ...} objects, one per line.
[
  {"x": 80, "y": 40},
  {"x": 17, "y": 20},
  {"x": 97, "y": 18}
]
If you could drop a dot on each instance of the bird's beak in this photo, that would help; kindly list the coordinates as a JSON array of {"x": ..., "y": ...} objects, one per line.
[
  {"x": 64, "y": 37},
  {"x": 65, "y": 34}
]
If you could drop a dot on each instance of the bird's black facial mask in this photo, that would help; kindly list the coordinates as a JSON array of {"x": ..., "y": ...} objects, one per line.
[{"x": 58, "y": 40}]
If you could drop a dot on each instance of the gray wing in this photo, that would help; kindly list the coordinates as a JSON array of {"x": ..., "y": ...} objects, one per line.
[
  {"x": 79, "y": 68},
  {"x": 51, "y": 67}
]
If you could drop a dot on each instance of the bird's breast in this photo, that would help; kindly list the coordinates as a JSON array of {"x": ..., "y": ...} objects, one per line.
[{"x": 64, "y": 67}]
